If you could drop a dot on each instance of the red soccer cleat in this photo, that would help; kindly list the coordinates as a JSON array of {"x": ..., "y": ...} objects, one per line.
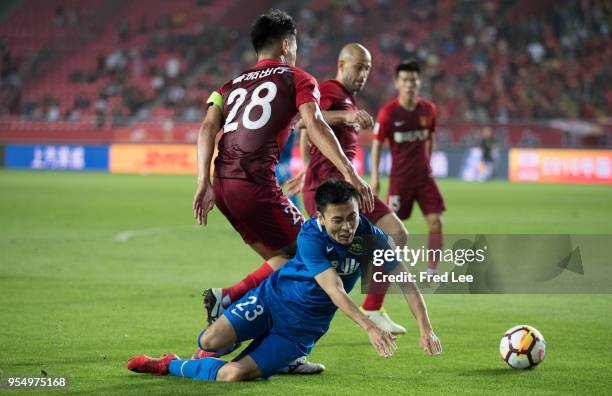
[
  {"x": 200, "y": 353},
  {"x": 147, "y": 364}
]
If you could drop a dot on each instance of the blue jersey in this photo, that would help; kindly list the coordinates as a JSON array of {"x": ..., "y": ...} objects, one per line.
[{"x": 293, "y": 292}]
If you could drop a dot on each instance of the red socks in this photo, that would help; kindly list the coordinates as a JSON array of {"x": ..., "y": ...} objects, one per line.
[
  {"x": 435, "y": 242},
  {"x": 374, "y": 300},
  {"x": 376, "y": 293},
  {"x": 250, "y": 282}
]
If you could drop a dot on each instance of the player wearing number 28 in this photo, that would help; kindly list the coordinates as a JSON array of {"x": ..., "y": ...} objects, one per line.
[{"x": 253, "y": 112}]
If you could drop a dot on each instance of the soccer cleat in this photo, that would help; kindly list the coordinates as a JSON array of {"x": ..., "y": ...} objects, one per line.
[
  {"x": 200, "y": 353},
  {"x": 302, "y": 366},
  {"x": 212, "y": 304},
  {"x": 383, "y": 321},
  {"x": 147, "y": 364}
]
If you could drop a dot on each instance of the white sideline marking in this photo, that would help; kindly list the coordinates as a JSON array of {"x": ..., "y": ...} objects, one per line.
[{"x": 126, "y": 235}]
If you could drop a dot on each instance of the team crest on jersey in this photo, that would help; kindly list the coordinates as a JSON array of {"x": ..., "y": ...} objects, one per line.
[
  {"x": 356, "y": 247},
  {"x": 423, "y": 120}
]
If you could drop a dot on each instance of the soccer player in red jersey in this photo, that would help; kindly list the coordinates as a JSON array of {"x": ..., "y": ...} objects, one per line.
[
  {"x": 409, "y": 123},
  {"x": 254, "y": 111},
  {"x": 346, "y": 119}
]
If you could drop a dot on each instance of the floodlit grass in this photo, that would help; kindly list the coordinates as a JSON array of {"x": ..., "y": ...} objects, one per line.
[{"x": 96, "y": 268}]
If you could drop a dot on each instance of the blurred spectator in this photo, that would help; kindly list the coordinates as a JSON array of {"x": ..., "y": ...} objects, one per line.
[
  {"x": 173, "y": 67},
  {"x": 176, "y": 93},
  {"x": 143, "y": 26},
  {"x": 124, "y": 29},
  {"x": 116, "y": 61},
  {"x": 157, "y": 82},
  {"x": 101, "y": 107},
  {"x": 53, "y": 110},
  {"x": 59, "y": 17},
  {"x": 72, "y": 17}
]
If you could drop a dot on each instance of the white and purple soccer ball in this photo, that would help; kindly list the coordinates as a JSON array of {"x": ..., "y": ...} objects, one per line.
[{"x": 522, "y": 347}]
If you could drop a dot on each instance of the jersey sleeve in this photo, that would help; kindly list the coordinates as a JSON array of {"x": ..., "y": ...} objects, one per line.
[
  {"x": 382, "y": 127},
  {"x": 311, "y": 249},
  {"x": 329, "y": 96},
  {"x": 306, "y": 88}
]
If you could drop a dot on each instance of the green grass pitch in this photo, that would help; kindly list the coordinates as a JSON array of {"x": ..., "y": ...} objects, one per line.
[{"x": 96, "y": 268}]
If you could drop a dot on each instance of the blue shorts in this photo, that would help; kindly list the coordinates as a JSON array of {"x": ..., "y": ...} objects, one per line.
[{"x": 252, "y": 319}]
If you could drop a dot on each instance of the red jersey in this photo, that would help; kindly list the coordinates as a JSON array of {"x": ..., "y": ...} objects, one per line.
[
  {"x": 334, "y": 96},
  {"x": 258, "y": 106},
  {"x": 408, "y": 132}
]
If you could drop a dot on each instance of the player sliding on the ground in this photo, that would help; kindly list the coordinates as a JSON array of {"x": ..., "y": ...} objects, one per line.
[
  {"x": 290, "y": 310},
  {"x": 340, "y": 111},
  {"x": 409, "y": 123},
  {"x": 254, "y": 111}
]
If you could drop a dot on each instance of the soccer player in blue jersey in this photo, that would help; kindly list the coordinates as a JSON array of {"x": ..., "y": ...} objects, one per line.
[{"x": 290, "y": 310}]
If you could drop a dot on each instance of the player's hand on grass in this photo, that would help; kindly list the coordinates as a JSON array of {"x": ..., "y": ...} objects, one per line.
[
  {"x": 366, "y": 198},
  {"x": 203, "y": 202},
  {"x": 431, "y": 343},
  {"x": 361, "y": 118},
  {"x": 296, "y": 184},
  {"x": 382, "y": 341}
]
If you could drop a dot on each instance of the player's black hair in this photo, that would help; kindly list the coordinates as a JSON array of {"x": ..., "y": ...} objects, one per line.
[
  {"x": 334, "y": 192},
  {"x": 270, "y": 27},
  {"x": 409, "y": 65}
]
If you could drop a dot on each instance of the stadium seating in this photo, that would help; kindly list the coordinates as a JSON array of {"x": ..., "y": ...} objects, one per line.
[{"x": 483, "y": 61}]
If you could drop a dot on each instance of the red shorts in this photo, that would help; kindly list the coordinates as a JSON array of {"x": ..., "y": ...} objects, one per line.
[
  {"x": 427, "y": 195},
  {"x": 380, "y": 208},
  {"x": 260, "y": 213}
]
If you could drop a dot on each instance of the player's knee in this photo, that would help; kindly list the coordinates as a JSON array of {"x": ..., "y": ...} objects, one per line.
[
  {"x": 401, "y": 236},
  {"x": 232, "y": 373},
  {"x": 211, "y": 340},
  {"x": 435, "y": 225}
]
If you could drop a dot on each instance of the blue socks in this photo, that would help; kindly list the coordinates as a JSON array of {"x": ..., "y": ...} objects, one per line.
[{"x": 205, "y": 369}]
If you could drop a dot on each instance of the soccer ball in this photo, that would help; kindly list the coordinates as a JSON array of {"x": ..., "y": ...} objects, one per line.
[{"x": 522, "y": 347}]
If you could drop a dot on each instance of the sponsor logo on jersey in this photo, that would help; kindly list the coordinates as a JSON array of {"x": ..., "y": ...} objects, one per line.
[
  {"x": 261, "y": 74},
  {"x": 399, "y": 123},
  {"x": 410, "y": 136},
  {"x": 347, "y": 267}
]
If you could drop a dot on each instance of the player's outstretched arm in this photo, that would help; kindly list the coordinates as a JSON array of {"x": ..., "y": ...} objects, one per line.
[
  {"x": 321, "y": 135},
  {"x": 430, "y": 145},
  {"x": 359, "y": 117},
  {"x": 374, "y": 180},
  {"x": 296, "y": 184},
  {"x": 382, "y": 341},
  {"x": 204, "y": 198},
  {"x": 428, "y": 339}
]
